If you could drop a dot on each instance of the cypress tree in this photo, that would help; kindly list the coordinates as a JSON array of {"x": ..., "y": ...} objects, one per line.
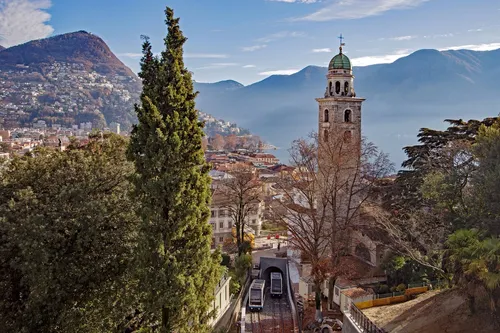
[{"x": 177, "y": 272}]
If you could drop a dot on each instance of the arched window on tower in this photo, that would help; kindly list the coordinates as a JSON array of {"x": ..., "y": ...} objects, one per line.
[
  {"x": 347, "y": 136},
  {"x": 325, "y": 136},
  {"x": 347, "y": 116},
  {"x": 326, "y": 117},
  {"x": 337, "y": 87},
  {"x": 330, "y": 92},
  {"x": 346, "y": 88}
]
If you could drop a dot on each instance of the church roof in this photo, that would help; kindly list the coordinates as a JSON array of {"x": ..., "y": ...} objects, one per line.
[{"x": 340, "y": 61}]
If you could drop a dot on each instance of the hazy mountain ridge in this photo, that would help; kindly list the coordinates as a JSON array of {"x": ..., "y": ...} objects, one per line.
[{"x": 419, "y": 90}]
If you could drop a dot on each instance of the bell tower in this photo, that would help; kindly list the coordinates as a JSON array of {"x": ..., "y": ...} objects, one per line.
[{"x": 339, "y": 114}]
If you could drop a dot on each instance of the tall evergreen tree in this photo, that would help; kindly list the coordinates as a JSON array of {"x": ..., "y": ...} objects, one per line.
[{"x": 178, "y": 274}]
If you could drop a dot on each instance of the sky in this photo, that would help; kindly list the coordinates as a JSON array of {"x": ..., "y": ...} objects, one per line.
[{"x": 248, "y": 40}]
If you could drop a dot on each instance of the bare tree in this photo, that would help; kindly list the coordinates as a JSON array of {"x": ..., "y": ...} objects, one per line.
[
  {"x": 302, "y": 214},
  {"x": 348, "y": 171},
  {"x": 242, "y": 196},
  {"x": 336, "y": 177}
]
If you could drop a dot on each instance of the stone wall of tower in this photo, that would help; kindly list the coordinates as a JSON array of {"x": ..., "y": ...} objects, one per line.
[{"x": 335, "y": 110}]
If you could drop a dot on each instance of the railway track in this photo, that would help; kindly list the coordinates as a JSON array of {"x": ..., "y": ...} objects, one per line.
[{"x": 274, "y": 318}]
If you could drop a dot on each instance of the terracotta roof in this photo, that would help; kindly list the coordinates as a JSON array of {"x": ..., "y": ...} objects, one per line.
[{"x": 356, "y": 292}]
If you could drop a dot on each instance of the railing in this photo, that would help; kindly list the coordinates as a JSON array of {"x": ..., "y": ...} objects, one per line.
[{"x": 365, "y": 324}]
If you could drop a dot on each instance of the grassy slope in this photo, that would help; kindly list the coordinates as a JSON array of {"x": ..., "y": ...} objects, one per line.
[{"x": 434, "y": 311}]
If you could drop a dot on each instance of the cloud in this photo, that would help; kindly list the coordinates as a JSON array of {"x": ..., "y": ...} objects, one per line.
[
  {"x": 205, "y": 56},
  {"x": 473, "y": 47},
  {"x": 355, "y": 9},
  {"x": 297, "y": 1},
  {"x": 280, "y": 35},
  {"x": 24, "y": 20},
  {"x": 400, "y": 38},
  {"x": 325, "y": 50},
  {"x": 474, "y": 30},
  {"x": 249, "y": 66},
  {"x": 253, "y": 47},
  {"x": 280, "y": 72},
  {"x": 218, "y": 65},
  {"x": 381, "y": 59},
  {"x": 130, "y": 55}
]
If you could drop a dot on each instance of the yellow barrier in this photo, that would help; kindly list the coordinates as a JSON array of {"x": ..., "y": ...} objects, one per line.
[
  {"x": 415, "y": 291},
  {"x": 391, "y": 300}
]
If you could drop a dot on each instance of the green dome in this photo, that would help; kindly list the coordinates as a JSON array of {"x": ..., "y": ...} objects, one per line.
[{"x": 340, "y": 61}]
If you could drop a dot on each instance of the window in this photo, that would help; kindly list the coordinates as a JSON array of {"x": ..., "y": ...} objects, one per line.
[
  {"x": 336, "y": 291},
  {"x": 326, "y": 116},
  {"x": 347, "y": 136},
  {"x": 347, "y": 116},
  {"x": 212, "y": 213},
  {"x": 337, "y": 87},
  {"x": 229, "y": 224},
  {"x": 346, "y": 88},
  {"x": 330, "y": 89},
  {"x": 221, "y": 225},
  {"x": 221, "y": 239},
  {"x": 325, "y": 135},
  {"x": 222, "y": 213},
  {"x": 254, "y": 221}
]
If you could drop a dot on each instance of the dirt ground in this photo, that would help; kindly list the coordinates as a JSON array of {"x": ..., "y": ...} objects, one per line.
[{"x": 432, "y": 312}]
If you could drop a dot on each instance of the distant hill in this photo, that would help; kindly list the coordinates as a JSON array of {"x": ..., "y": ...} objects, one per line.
[
  {"x": 73, "y": 78},
  {"x": 78, "y": 47},
  {"x": 66, "y": 79},
  {"x": 420, "y": 90},
  {"x": 2, "y": 48}
]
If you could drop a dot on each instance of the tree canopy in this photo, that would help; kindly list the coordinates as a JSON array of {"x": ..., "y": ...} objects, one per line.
[
  {"x": 177, "y": 273},
  {"x": 67, "y": 238}
]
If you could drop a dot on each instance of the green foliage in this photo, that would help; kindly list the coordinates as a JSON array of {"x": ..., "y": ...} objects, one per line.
[
  {"x": 226, "y": 260},
  {"x": 383, "y": 289},
  {"x": 67, "y": 239},
  {"x": 242, "y": 264},
  {"x": 177, "y": 273},
  {"x": 401, "y": 287},
  {"x": 476, "y": 259},
  {"x": 235, "y": 285},
  {"x": 404, "y": 270}
]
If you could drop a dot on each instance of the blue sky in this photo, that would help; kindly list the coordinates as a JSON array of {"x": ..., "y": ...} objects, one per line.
[{"x": 247, "y": 40}]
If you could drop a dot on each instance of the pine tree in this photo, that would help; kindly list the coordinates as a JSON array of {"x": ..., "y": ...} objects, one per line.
[{"x": 178, "y": 274}]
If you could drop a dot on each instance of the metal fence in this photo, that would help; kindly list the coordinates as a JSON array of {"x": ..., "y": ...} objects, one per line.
[{"x": 363, "y": 322}]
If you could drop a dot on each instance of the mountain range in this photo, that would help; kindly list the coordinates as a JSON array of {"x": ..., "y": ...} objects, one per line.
[
  {"x": 419, "y": 90},
  {"x": 75, "y": 77}
]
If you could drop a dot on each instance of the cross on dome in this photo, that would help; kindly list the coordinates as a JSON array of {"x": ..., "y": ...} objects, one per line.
[{"x": 341, "y": 42}]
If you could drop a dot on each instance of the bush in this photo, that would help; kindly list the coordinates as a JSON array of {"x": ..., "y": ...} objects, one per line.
[
  {"x": 226, "y": 260},
  {"x": 401, "y": 287},
  {"x": 383, "y": 289}
]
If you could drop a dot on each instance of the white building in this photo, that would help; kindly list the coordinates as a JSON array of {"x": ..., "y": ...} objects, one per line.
[
  {"x": 222, "y": 222},
  {"x": 222, "y": 298},
  {"x": 115, "y": 127}
]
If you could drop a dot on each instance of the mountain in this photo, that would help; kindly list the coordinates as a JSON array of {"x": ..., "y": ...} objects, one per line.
[
  {"x": 73, "y": 78},
  {"x": 2, "y": 48},
  {"x": 66, "y": 79},
  {"x": 77, "y": 48},
  {"x": 420, "y": 90}
]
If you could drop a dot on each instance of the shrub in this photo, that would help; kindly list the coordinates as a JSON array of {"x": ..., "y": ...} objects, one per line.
[{"x": 401, "y": 287}]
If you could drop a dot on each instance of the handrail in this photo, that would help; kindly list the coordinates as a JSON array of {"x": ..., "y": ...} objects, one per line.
[{"x": 363, "y": 322}]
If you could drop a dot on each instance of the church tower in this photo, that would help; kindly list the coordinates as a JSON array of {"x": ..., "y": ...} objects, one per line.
[{"x": 340, "y": 110}]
